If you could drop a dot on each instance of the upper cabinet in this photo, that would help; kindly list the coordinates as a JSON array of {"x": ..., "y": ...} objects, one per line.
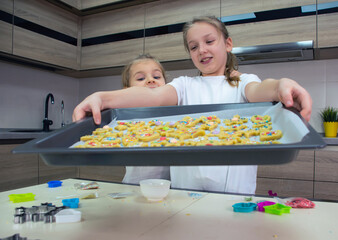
[
  {"x": 268, "y": 22},
  {"x": 327, "y": 24},
  {"x": 110, "y": 33},
  {"x": 45, "y": 33},
  {"x": 6, "y": 27},
  {"x": 163, "y": 25},
  {"x": 112, "y": 38}
]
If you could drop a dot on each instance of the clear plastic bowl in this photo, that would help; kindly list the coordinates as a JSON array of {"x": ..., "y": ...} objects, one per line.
[{"x": 155, "y": 189}]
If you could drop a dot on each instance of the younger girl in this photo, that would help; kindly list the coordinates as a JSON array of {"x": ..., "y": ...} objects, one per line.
[
  {"x": 209, "y": 45},
  {"x": 144, "y": 71}
]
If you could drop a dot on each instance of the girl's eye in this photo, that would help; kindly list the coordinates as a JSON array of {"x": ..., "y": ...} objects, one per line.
[
  {"x": 140, "y": 79},
  {"x": 210, "y": 41},
  {"x": 193, "y": 48},
  {"x": 157, "y": 77}
]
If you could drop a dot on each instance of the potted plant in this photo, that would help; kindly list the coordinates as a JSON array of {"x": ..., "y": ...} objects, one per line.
[{"x": 330, "y": 120}]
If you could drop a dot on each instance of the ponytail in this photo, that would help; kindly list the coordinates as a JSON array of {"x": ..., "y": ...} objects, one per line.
[{"x": 231, "y": 65}]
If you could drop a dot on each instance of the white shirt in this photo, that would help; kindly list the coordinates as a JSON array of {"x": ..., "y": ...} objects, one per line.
[{"x": 213, "y": 90}]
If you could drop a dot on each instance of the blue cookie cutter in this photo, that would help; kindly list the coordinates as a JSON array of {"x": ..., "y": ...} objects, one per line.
[
  {"x": 244, "y": 207},
  {"x": 277, "y": 209},
  {"x": 54, "y": 184},
  {"x": 71, "y": 203}
]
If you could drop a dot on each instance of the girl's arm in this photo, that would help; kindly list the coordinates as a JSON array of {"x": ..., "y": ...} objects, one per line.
[
  {"x": 285, "y": 90},
  {"x": 130, "y": 97}
]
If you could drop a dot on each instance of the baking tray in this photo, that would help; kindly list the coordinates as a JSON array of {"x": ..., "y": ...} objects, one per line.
[{"x": 54, "y": 148}]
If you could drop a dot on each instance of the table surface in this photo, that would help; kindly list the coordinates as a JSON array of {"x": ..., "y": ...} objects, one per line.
[{"x": 179, "y": 216}]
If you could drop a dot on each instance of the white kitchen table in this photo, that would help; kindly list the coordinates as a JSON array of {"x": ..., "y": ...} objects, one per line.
[{"x": 180, "y": 216}]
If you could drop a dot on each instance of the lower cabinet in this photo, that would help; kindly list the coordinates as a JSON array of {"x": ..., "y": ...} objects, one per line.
[
  {"x": 102, "y": 173},
  {"x": 49, "y": 173},
  {"x": 24, "y": 170},
  {"x": 313, "y": 174},
  {"x": 17, "y": 170},
  {"x": 294, "y": 179}
]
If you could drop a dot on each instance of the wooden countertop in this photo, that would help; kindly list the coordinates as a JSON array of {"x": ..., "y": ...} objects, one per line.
[{"x": 179, "y": 216}]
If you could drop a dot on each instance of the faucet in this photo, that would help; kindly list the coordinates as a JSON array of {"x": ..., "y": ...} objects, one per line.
[
  {"x": 46, "y": 121},
  {"x": 62, "y": 113}
]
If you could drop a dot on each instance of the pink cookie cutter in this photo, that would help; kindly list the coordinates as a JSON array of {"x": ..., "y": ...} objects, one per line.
[{"x": 261, "y": 205}]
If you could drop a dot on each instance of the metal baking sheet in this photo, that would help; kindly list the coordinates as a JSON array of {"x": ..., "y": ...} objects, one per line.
[{"x": 54, "y": 148}]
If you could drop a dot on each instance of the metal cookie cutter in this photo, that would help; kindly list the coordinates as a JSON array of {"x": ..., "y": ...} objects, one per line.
[
  {"x": 46, "y": 212},
  {"x": 14, "y": 237}
]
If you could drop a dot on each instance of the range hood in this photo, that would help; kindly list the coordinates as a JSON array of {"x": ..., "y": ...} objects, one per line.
[{"x": 281, "y": 52}]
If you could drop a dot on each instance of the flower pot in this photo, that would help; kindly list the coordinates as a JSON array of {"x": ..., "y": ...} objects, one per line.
[{"x": 330, "y": 129}]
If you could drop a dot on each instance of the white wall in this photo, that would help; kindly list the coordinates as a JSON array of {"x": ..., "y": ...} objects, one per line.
[
  {"x": 23, "y": 89},
  {"x": 91, "y": 85},
  {"x": 319, "y": 78},
  {"x": 22, "y": 96}
]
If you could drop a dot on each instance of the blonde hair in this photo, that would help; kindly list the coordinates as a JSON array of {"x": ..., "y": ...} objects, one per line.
[
  {"x": 231, "y": 63},
  {"x": 140, "y": 58}
]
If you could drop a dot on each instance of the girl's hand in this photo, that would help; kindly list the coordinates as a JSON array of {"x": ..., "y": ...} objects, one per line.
[
  {"x": 293, "y": 95},
  {"x": 91, "y": 104}
]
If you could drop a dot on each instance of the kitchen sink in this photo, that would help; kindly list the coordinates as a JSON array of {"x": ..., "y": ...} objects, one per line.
[{"x": 28, "y": 130}]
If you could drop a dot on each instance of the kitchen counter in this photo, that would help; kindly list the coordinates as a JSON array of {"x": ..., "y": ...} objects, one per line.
[
  {"x": 180, "y": 216},
  {"x": 330, "y": 141},
  {"x": 19, "y": 134}
]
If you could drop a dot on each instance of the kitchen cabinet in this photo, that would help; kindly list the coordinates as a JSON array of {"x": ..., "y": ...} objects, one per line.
[
  {"x": 49, "y": 173},
  {"x": 169, "y": 47},
  {"x": 327, "y": 28},
  {"x": 272, "y": 31},
  {"x": 229, "y": 8},
  {"x": 6, "y": 28},
  {"x": 23, "y": 170},
  {"x": 313, "y": 174},
  {"x": 116, "y": 51},
  {"x": 17, "y": 171},
  {"x": 73, "y": 3},
  {"x": 113, "y": 37},
  {"x": 102, "y": 173},
  {"x": 326, "y": 190},
  {"x": 47, "y": 50},
  {"x": 90, "y": 3},
  {"x": 97, "y": 4},
  {"x": 326, "y": 178},
  {"x": 6, "y": 37},
  {"x": 50, "y": 33},
  {"x": 291, "y": 179}
]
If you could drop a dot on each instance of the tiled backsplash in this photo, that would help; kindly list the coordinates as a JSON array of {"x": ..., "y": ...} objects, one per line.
[{"x": 23, "y": 89}]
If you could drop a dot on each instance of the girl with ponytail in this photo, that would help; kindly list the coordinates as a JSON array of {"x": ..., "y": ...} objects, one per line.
[{"x": 209, "y": 45}]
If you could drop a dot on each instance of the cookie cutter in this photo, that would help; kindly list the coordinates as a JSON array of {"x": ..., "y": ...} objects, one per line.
[
  {"x": 24, "y": 197},
  {"x": 120, "y": 195},
  {"x": 67, "y": 216},
  {"x": 14, "y": 237},
  {"x": 45, "y": 212},
  {"x": 244, "y": 207},
  {"x": 261, "y": 205},
  {"x": 277, "y": 209},
  {"x": 54, "y": 184},
  {"x": 71, "y": 203}
]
